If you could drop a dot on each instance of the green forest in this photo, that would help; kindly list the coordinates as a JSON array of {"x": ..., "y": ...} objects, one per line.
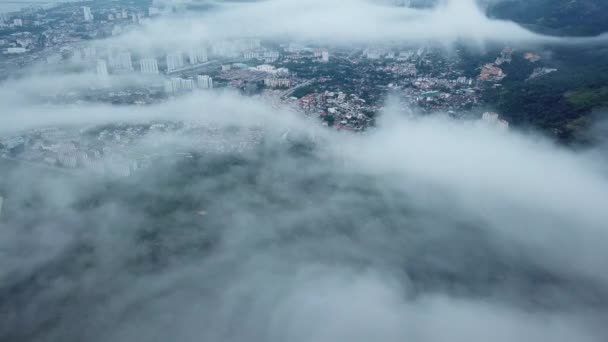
[{"x": 562, "y": 103}]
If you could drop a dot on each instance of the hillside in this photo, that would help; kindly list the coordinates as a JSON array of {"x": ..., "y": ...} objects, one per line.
[{"x": 564, "y": 17}]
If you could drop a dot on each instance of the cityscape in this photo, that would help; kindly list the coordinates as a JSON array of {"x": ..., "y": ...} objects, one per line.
[{"x": 344, "y": 88}]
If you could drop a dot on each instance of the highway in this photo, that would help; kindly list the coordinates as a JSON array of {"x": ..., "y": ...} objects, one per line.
[
  {"x": 291, "y": 90},
  {"x": 196, "y": 68}
]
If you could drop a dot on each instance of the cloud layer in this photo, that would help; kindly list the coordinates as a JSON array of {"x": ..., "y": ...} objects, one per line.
[
  {"x": 427, "y": 229},
  {"x": 351, "y": 21}
]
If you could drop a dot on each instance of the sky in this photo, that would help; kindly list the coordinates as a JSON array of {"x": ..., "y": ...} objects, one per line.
[{"x": 424, "y": 229}]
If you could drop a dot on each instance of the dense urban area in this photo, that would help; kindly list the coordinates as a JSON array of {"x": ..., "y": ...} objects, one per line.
[{"x": 344, "y": 87}]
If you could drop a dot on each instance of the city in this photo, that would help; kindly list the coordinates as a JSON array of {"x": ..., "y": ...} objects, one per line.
[{"x": 344, "y": 88}]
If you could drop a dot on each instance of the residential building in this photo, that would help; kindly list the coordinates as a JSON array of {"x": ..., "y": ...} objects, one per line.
[
  {"x": 148, "y": 66},
  {"x": 124, "y": 61},
  {"x": 88, "y": 16},
  {"x": 102, "y": 68},
  {"x": 205, "y": 82},
  {"x": 197, "y": 55},
  {"x": 324, "y": 56},
  {"x": 175, "y": 61}
]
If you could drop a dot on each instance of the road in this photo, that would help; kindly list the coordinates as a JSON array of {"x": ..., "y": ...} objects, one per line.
[
  {"x": 290, "y": 91},
  {"x": 195, "y": 68}
]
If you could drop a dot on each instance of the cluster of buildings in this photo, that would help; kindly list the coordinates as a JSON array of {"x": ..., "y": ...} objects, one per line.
[
  {"x": 506, "y": 56},
  {"x": 532, "y": 57},
  {"x": 121, "y": 149},
  {"x": 434, "y": 101},
  {"x": 340, "y": 110},
  {"x": 54, "y": 34},
  {"x": 65, "y": 149},
  {"x": 322, "y": 55},
  {"x": 391, "y": 54},
  {"x": 179, "y": 85},
  {"x": 122, "y": 61},
  {"x": 491, "y": 73},
  {"x": 345, "y": 93},
  {"x": 239, "y": 75},
  {"x": 538, "y": 72},
  {"x": 267, "y": 56}
]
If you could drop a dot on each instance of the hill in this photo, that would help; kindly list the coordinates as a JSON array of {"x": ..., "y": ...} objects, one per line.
[{"x": 563, "y": 17}]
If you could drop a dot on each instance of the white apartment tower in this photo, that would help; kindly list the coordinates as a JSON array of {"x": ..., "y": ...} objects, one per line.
[
  {"x": 174, "y": 61},
  {"x": 205, "y": 82},
  {"x": 102, "y": 68},
  {"x": 149, "y": 66},
  {"x": 197, "y": 55},
  {"x": 178, "y": 84},
  {"x": 88, "y": 16},
  {"x": 324, "y": 56},
  {"x": 124, "y": 61}
]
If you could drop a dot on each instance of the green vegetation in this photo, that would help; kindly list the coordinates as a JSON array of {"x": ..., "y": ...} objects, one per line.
[
  {"x": 564, "y": 17},
  {"x": 588, "y": 98},
  {"x": 559, "y": 103}
]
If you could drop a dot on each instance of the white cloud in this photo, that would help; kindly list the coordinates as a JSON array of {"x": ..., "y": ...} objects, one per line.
[
  {"x": 342, "y": 257},
  {"x": 332, "y": 21}
]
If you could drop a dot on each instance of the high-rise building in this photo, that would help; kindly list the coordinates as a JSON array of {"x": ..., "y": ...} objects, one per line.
[
  {"x": 1, "y": 204},
  {"x": 88, "y": 16},
  {"x": 324, "y": 56},
  {"x": 174, "y": 61},
  {"x": 271, "y": 56},
  {"x": 149, "y": 66},
  {"x": 102, "y": 68},
  {"x": 123, "y": 61},
  {"x": 192, "y": 57},
  {"x": 205, "y": 82},
  {"x": 177, "y": 84},
  {"x": 18, "y": 22},
  {"x": 186, "y": 84},
  {"x": 197, "y": 55},
  {"x": 89, "y": 53},
  {"x": 251, "y": 55}
]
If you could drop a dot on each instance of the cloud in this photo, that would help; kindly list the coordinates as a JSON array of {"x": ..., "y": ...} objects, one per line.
[
  {"x": 426, "y": 229},
  {"x": 342, "y": 22}
]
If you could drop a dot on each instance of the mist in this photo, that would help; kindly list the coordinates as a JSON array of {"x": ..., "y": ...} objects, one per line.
[
  {"x": 333, "y": 22},
  {"x": 426, "y": 229}
]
